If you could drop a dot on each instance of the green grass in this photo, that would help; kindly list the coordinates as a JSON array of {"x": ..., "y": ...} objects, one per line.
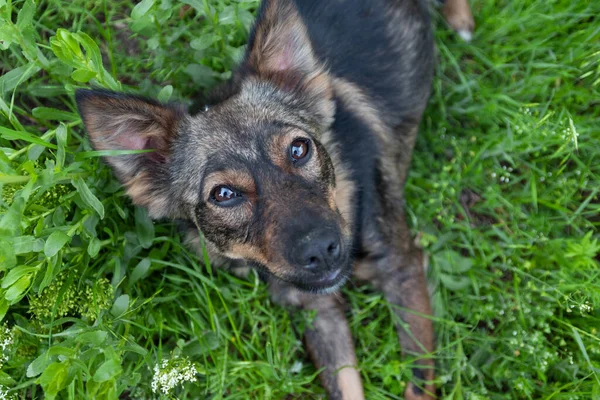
[{"x": 504, "y": 190}]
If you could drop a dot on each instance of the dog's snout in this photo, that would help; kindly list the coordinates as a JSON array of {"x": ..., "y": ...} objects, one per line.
[{"x": 318, "y": 250}]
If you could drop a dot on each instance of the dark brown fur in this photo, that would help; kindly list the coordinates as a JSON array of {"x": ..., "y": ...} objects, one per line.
[{"x": 356, "y": 99}]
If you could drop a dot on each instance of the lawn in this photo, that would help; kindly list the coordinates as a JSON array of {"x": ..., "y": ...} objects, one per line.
[{"x": 98, "y": 302}]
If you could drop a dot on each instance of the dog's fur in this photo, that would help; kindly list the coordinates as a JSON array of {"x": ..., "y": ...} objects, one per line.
[{"x": 350, "y": 79}]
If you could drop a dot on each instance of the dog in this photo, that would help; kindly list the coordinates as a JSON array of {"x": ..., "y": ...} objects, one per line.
[{"x": 296, "y": 167}]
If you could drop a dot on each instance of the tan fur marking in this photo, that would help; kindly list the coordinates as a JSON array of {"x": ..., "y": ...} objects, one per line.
[
  {"x": 459, "y": 16},
  {"x": 140, "y": 189},
  {"x": 237, "y": 179},
  {"x": 362, "y": 107},
  {"x": 343, "y": 195},
  {"x": 349, "y": 383},
  {"x": 279, "y": 153},
  {"x": 246, "y": 252}
]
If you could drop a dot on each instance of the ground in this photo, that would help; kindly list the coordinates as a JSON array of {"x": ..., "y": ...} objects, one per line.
[{"x": 97, "y": 302}]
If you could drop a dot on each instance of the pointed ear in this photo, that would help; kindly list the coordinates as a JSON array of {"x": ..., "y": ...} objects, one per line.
[
  {"x": 122, "y": 122},
  {"x": 280, "y": 42},
  {"x": 280, "y": 51}
]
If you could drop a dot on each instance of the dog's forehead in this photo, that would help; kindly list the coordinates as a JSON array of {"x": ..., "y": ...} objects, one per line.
[{"x": 234, "y": 134}]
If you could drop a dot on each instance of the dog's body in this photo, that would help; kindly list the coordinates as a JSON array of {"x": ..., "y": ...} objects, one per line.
[{"x": 297, "y": 167}]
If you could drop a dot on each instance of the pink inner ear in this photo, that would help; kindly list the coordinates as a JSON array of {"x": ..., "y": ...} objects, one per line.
[
  {"x": 283, "y": 62},
  {"x": 132, "y": 142}
]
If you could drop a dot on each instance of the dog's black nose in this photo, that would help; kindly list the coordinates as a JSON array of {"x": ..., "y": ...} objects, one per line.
[{"x": 318, "y": 250}]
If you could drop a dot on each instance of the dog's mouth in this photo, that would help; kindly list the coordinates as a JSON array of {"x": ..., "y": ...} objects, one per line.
[{"x": 327, "y": 281}]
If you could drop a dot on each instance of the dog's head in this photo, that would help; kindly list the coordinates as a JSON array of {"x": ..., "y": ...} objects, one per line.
[{"x": 252, "y": 171}]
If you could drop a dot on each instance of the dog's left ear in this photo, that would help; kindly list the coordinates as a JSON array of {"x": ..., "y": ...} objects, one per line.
[
  {"x": 280, "y": 51},
  {"x": 115, "y": 122}
]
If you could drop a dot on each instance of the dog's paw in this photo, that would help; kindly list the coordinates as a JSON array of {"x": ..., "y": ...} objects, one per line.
[{"x": 459, "y": 17}]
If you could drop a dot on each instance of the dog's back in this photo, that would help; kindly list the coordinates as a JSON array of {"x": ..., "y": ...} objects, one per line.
[{"x": 383, "y": 46}]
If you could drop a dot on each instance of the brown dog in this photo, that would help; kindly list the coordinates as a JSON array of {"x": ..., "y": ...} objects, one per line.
[{"x": 297, "y": 166}]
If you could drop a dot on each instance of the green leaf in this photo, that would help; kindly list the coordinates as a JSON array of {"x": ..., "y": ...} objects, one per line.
[
  {"x": 582, "y": 347},
  {"x": 202, "y": 75},
  {"x": 203, "y": 42},
  {"x": 83, "y": 75},
  {"x": 196, "y": 4},
  {"x": 141, "y": 9},
  {"x": 165, "y": 94},
  {"x": 6, "y": 379},
  {"x": 228, "y": 15},
  {"x": 110, "y": 369},
  {"x": 51, "y": 266},
  {"x": 139, "y": 271},
  {"x": 38, "y": 365},
  {"x": 18, "y": 289},
  {"x": 70, "y": 41},
  {"x": 3, "y": 307},
  {"x": 61, "y": 140},
  {"x": 12, "y": 78},
  {"x": 55, "y": 242},
  {"x": 16, "y": 274},
  {"x": 120, "y": 305},
  {"x": 8, "y": 34},
  {"x": 27, "y": 244},
  {"x": 53, "y": 114},
  {"x": 108, "y": 153},
  {"x": 87, "y": 196},
  {"x": 94, "y": 247},
  {"x": 10, "y": 134},
  {"x": 144, "y": 227},
  {"x": 25, "y": 16},
  {"x": 8, "y": 259},
  {"x": 451, "y": 261},
  {"x": 455, "y": 283},
  {"x": 61, "y": 351},
  {"x": 54, "y": 378},
  {"x": 95, "y": 338},
  {"x": 10, "y": 224}
]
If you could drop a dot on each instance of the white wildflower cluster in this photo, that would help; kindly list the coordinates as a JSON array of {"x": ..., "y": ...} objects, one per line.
[
  {"x": 6, "y": 339},
  {"x": 504, "y": 174},
  {"x": 172, "y": 373},
  {"x": 576, "y": 301},
  {"x": 533, "y": 346},
  {"x": 4, "y": 395}
]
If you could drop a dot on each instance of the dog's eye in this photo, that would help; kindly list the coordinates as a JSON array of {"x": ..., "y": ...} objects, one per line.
[
  {"x": 224, "y": 194},
  {"x": 299, "y": 149}
]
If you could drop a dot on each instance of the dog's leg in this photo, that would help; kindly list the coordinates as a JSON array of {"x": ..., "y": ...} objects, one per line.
[
  {"x": 398, "y": 271},
  {"x": 459, "y": 17},
  {"x": 328, "y": 340},
  {"x": 395, "y": 265}
]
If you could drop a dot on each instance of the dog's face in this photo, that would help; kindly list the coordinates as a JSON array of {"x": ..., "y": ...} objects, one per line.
[{"x": 251, "y": 171}]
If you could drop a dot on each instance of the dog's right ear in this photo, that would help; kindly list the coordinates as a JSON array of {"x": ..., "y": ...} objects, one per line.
[
  {"x": 117, "y": 121},
  {"x": 280, "y": 51}
]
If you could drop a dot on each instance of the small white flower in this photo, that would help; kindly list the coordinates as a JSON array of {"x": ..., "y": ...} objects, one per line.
[
  {"x": 172, "y": 373},
  {"x": 6, "y": 340},
  {"x": 4, "y": 395}
]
